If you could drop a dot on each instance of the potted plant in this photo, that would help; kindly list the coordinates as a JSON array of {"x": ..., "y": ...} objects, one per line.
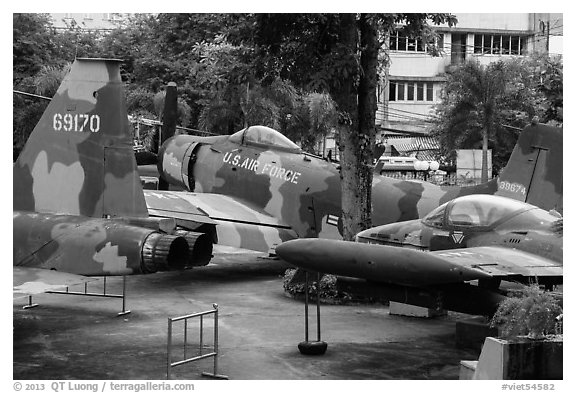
[
  {"x": 530, "y": 312},
  {"x": 529, "y": 345}
]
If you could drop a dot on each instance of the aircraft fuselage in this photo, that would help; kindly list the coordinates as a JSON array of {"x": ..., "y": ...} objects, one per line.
[
  {"x": 302, "y": 190},
  {"x": 475, "y": 221}
]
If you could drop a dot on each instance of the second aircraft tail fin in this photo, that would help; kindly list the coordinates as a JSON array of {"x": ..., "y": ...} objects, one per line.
[{"x": 534, "y": 172}]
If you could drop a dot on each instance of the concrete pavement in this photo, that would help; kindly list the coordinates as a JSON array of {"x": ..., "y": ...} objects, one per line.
[{"x": 76, "y": 337}]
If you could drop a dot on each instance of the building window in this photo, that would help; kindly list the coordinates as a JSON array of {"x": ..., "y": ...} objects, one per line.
[
  {"x": 496, "y": 44},
  {"x": 411, "y": 91},
  {"x": 439, "y": 41},
  {"x": 392, "y": 92},
  {"x": 518, "y": 45},
  {"x": 404, "y": 44},
  {"x": 410, "y": 95},
  {"x": 401, "y": 87},
  {"x": 400, "y": 43},
  {"x": 429, "y": 92},
  {"x": 420, "y": 91},
  {"x": 506, "y": 45}
]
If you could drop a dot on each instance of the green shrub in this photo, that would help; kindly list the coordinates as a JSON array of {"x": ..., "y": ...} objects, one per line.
[
  {"x": 529, "y": 312},
  {"x": 328, "y": 290}
]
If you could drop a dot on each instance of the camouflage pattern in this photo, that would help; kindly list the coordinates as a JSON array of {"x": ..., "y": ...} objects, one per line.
[
  {"x": 79, "y": 158},
  {"x": 477, "y": 237},
  {"x": 477, "y": 221},
  {"x": 238, "y": 224},
  {"x": 30, "y": 281},
  {"x": 537, "y": 174},
  {"x": 93, "y": 247},
  {"x": 78, "y": 203},
  {"x": 265, "y": 173}
]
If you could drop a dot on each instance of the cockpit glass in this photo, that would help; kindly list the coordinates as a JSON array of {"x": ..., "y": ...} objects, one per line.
[
  {"x": 531, "y": 219},
  {"x": 262, "y": 135},
  {"x": 436, "y": 217},
  {"x": 482, "y": 210}
]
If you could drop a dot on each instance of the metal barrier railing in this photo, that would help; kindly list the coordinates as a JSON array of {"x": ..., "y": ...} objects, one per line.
[
  {"x": 93, "y": 294},
  {"x": 200, "y": 356}
]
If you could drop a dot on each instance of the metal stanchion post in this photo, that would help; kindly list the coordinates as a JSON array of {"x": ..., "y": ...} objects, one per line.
[
  {"x": 317, "y": 347},
  {"x": 201, "y": 333},
  {"x": 30, "y": 304},
  {"x": 124, "y": 311},
  {"x": 169, "y": 361},
  {"x": 318, "y": 307},
  {"x": 216, "y": 340},
  {"x": 185, "y": 336},
  {"x": 306, "y": 308}
]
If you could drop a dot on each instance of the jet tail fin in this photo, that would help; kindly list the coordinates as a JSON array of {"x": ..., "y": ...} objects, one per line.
[
  {"x": 534, "y": 172},
  {"x": 79, "y": 159}
]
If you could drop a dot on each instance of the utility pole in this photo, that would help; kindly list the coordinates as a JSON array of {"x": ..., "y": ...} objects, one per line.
[
  {"x": 168, "y": 127},
  {"x": 545, "y": 29}
]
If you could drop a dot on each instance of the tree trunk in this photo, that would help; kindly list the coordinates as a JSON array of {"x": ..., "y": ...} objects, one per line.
[
  {"x": 245, "y": 106},
  {"x": 367, "y": 106},
  {"x": 346, "y": 95},
  {"x": 358, "y": 128},
  {"x": 484, "y": 173}
]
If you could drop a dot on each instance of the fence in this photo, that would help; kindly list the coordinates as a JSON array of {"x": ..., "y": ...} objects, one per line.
[
  {"x": 444, "y": 180},
  {"x": 142, "y": 126},
  {"x": 200, "y": 355},
  {"x": 85, "y": 292}
]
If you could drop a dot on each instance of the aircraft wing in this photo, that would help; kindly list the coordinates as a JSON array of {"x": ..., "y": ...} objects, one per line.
[
  {"x": 238, "y": 224},
  {"x": 502, "y": 262},
  {"x": 32, "y": 281}
]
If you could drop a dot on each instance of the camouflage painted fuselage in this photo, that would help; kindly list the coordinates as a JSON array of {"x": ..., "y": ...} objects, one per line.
[
  {"x": 302, "y": 190},
  {"x": 476, "y": 221},
  {"x": 433, "y": 262},
  {"x": 78, "y": 202},
  {"x": 93, "y": 247}
]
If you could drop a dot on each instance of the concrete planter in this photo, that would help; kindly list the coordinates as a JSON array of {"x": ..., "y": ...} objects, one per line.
[{"x": 519, "y": 358}]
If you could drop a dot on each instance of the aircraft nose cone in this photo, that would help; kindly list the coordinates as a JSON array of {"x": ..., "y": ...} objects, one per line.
[{"x": 299, "y": 252}]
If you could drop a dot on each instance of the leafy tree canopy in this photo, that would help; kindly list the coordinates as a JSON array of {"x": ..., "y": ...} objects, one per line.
[{"x": 499, "y": 98}]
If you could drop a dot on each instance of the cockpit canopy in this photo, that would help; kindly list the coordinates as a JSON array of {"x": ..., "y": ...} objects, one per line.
[
  {"x": 486, "y": 211},
  {"x": 264, "y": 137}
]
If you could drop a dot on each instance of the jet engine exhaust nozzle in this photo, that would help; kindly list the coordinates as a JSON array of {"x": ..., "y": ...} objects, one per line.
[
  {"x": 199, "y": 247},
  {"x": 164, "y": 252}
]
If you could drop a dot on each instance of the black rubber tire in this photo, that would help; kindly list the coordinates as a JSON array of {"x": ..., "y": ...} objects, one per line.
[{"x": 312, "y": 347}]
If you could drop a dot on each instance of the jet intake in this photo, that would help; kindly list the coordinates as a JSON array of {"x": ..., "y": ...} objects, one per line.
[{"x": 176, "y": 159}]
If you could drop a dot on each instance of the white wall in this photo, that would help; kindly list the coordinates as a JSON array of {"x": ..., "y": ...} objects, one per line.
[
  {"x": 503, "y": 21},
  {"x": 417, "y": 64}
]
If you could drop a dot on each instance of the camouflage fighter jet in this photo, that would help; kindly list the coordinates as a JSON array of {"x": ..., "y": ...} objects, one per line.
[
  {"x": 431, "y": 262},
  {"x": 79, "y": 208},
  {"x": 262, "y": 189}
]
